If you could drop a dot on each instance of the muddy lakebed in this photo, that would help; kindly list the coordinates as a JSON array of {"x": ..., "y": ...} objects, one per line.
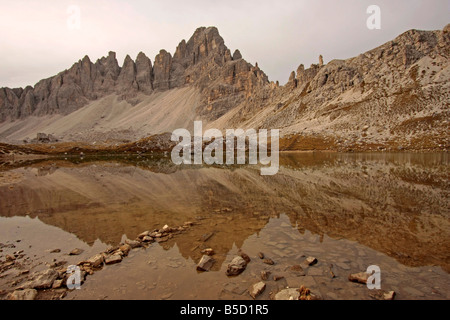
[{"x": 348, "y": 211}]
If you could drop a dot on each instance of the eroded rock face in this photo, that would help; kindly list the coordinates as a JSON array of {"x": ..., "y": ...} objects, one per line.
[
  {"x": 399, "y": 88},
  {"x": 161, "y": 70},
  {"x": 203, "y": 61},
  {"x": 144, "y": 73},
  {"x": 223, "y": 79},
  {"x": 127, "y": 76},
  {"x": 237, "y": 55}
]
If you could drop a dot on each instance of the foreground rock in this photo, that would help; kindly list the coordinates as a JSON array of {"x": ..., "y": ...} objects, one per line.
[
  {"x": 270, "y": 262},
  {"x": 9, "y": 258},
  {"x": 96, "y": 261},
  {"x": 113, "y": 259},
  {"x": 310, "y": 261},
  {"x": 205, "y": 263},
  {"x": 296, "y": 294},
  {"x": 57, "y": 284},
  {"x": 133, "y": 243},
  {"x": 360, "y": 277},
  {"x": 288, "y": 294},
  {"x": 297, "y": 270},
  {"x": 143, "y": 235},
  {"x": 41, "y": 280},
  {"x": 26, "y": 294},
  {"x": 236, "y": 267},
  {"x": 209, "y": 252},
  {"x": 76, "y": 252},
  {"x": 257, "y": 289},
  {"x": 149, "y": 239},
  {"x": 265, "y": 275},
  {"x": 306, "y": 294},
  {"x": 278, "y": 278},
  {"x": 44, "y": 138},
  {"x": 382, "y": 295},
  {"x": 245, "y": 256}
]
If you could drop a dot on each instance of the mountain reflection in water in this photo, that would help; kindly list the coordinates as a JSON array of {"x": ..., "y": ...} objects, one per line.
[{"x": 397, "y": 204}]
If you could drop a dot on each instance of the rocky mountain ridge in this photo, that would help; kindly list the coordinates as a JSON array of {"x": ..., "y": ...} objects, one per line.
[
  {"x": 399, "y": 91},
  {"x": 203, "y": 61},
  {"x": 396, "y": 94}
]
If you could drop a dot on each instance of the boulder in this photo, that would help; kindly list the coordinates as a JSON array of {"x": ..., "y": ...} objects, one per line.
[
  {"x": 143, "y": 234},
  {"x": 41, "y": 280},
  {"x": 26, "y": 294},
  {"x": 113, "y": 259},
  {"x": 310, "y": 261},
  {"x": 133, "y": 243},
  {"x": 288, "y": 294},
  {"x": 76, "y": 252},
  {"x": 236, "y": 267},
  {"x": 360, "y": 277},
  {"x": 265, "y": 275},
  {"x": 383, "y": 295},
  {"x": 147, "y": 239},
  {"x": 389, "y": 295},
  {"x": 126, "y": 248},
  {"x": 245, "y": 256},
  {"x": 256, "y": 289},
  {"x": 208, "y": 251},
  {"x": 96, "y": 261},
  {"x": 205, "y": 264}
]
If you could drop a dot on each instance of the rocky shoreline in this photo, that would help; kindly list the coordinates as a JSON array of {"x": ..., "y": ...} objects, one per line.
[
  {"x": 53, "y": 283},
  {"x": 162, "y": 144}
]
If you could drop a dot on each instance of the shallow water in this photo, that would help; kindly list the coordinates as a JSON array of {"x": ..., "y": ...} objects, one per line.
[{"x": 349, "y": 211}]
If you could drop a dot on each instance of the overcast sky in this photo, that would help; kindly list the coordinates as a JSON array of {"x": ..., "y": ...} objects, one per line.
[{"x": 36, "y": 41}]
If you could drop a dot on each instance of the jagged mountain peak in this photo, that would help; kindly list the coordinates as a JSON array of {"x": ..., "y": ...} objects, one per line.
[
  {"x": 203, "y": 56},
  {"x": 398, "y": 89}
]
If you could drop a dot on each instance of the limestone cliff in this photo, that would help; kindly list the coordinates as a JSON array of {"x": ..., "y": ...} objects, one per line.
[
  {"x": 203, "y": 61},
  {"x": 395, "y": 95}
]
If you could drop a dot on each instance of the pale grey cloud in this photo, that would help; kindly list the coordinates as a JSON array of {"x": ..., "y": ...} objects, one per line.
[{"x": 36, "y": 42}]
